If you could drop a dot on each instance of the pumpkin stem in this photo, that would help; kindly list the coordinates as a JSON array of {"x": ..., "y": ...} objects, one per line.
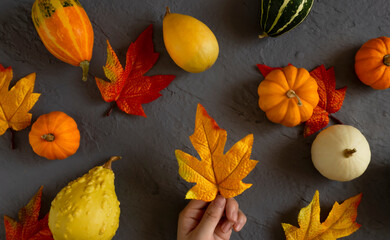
[
  {"x": 386, "y": 60},
  {"x": 291, "y": 93},
  {"x": 168, "y": 11},
  {"x": 85, "y": 66},
  {"x": 349, "y": 152},
  {"x": 48, "y": 137},
  {"x": 112, "y": 159},
  {"x": 263, "y": 35}
]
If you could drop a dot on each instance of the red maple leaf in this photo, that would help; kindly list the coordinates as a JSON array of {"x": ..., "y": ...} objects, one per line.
[
  {"x": 265, "y": 70},
  {"x": 128, "y": 87},
  {"x": 331, "y": 99},
  {"x": 29, "y": 226}
]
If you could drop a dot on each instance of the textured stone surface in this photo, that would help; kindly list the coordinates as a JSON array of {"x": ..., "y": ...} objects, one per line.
[{"x": 148, "y": 186}]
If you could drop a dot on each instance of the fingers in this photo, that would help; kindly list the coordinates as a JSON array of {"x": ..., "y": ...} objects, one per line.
[
  {"x": 193, "y": 205},
  {"x": 224, "y": 229},
  {"x": 236, "y": 218},
  {"x": 211, "y": 217},
  {"x": 220, "y": 218},
  {"x": 190, "y": 216},
  {"x": 226, "y": 226},
  {"x": 241, "y": 221},
  {"x": 231, "y": 209}
]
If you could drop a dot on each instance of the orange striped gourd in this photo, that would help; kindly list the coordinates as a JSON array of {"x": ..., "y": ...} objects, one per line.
[{"x": 65, "y": 30}]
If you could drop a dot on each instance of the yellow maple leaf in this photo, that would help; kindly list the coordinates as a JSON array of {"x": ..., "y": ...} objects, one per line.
[
  {"x": 15, "y": 103},
  {"x": 341, "y": 221},
  {"x": 216, "y": 171}
]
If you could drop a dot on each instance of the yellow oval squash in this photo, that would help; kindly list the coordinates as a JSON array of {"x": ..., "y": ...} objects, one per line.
[{"x": 189, "y": 42}]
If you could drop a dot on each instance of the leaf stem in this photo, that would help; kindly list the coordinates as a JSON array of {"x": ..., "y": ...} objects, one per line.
[
  {"x": 335, "y": 119},
  {"x": 13, "y": 144},
  {"x": 109, "y": 111}
]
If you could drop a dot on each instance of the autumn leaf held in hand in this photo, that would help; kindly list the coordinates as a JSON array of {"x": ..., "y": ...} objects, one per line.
[
  {"x": 15, "y": 103},
  {"x": 340, "y": 222},
  {"x": 128, "y": 87},
  {"x": 29, "y": 227},
  {"x": 216, "y": 172},
  {"x": 330, "y": 102}
]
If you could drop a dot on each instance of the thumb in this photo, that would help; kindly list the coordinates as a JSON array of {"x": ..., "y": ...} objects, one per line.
[{"x": 211, "y": 217}]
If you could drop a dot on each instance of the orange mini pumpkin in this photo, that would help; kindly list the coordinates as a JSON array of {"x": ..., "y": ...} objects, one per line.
[
  {"x": 372, "y": 63},
  {"x": 288, "y": 95},
  {"x": 54, "y": 136}
]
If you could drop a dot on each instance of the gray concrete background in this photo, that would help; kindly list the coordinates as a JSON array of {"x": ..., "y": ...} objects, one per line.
[{"x": 147, "y": 183}]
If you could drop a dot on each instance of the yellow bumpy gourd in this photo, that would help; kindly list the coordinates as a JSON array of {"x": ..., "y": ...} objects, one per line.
[
  {"x": 87, "y": 208},
  {"x": 189, "y": 42}
]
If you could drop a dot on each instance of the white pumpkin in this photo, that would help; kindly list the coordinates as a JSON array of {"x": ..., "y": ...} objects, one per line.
[{"x": 341, "y": 153}]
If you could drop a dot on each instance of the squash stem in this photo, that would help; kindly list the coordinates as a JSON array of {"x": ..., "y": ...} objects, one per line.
[
  {"x": 349, "y": 152},
  {"x": 48, "y": 137},
  {"x": 168, "y": 11},
  {"x": 386, "y": 60},
  {"x": 112, "y": 159},
  {"x": 291, "y": 93},
  {"x": 263, "y": 35},
  {"x": 85, "y": 66}
]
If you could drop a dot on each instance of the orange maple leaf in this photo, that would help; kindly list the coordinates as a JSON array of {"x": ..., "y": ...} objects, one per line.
[
  {"x": 340, "y": 222},
  {"x": 128, "y": 87},
  {"x": 29, "y": 227},
  {"x": 16, "y": 103},
  {"x": 216, "y": 172}
]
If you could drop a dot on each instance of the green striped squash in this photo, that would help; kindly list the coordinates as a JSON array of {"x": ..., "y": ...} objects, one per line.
[{"x": 280, "y": 16}]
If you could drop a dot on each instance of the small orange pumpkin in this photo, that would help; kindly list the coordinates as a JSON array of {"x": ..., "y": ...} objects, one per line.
[
  {"x": 372, "y": 63},
  {"x": 65, "y": 30},
  {"x": 54, "y": 136},
  {"x": 288, "y": 95}
]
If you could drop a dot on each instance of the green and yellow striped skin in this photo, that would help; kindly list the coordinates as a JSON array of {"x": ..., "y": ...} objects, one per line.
[
  {"x": 65, "y": 30},
  {"x": 280, "y": 16}
]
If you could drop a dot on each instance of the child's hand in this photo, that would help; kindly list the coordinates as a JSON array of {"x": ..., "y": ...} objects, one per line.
[{"x": 214, "y": 223}]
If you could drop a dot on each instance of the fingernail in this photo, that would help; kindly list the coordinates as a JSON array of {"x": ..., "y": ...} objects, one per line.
[
  {"x": 219, "y": 201},
  {"x": 226, "y": 226},
  {"x": 237, "y": 227}
]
